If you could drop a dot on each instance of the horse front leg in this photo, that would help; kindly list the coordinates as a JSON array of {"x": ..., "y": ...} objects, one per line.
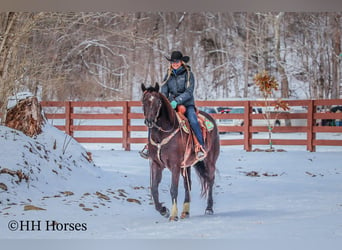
[
  {"x": 174, "y": 193},
  {"x": 156, "y": 176},
  {"x": 187, "y": 187}
]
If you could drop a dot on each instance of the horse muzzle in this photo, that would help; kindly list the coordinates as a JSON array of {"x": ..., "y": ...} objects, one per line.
[{"x": 149, "y": 123}]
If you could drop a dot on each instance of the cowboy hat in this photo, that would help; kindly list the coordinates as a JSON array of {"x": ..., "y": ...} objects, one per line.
[{"x": 177, "y": 56}]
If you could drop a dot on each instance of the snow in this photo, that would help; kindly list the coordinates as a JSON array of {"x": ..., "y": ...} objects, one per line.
[
  {"x": 293, "y": 195},
  {"x": 13, "y": 100}
]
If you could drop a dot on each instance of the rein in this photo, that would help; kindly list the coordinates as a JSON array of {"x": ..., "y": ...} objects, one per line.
[
  {"x": 161, "y": 129},
  {"x": 163, "y": 142}
]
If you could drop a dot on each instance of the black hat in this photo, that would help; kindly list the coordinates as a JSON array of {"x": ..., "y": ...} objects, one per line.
[{"x": 177, "y": 55}]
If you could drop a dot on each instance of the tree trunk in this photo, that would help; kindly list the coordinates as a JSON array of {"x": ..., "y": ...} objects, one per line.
[
  {"x": 245, "y": 89},
  {"x": 26, "y": 116},
  {"x": 335, "y": 55},
  {"x": 280, "y": 64}
]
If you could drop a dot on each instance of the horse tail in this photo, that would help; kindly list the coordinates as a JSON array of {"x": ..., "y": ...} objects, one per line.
[{"x": 203, "y": 175}]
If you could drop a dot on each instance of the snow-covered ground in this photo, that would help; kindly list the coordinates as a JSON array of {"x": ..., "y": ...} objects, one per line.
[{"x": 292, "y": 195}]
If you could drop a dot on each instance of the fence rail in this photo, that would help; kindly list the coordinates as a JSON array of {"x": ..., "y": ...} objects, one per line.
[{"x": 121, "y": 122}]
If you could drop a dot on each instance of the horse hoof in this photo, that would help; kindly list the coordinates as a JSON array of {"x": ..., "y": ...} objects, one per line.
[
  {"x": 185, "y": 215},
  {"x": 165, "y": 212},
  {"x": 209, "y": 211},
  {"x": 173, "y": 218}
]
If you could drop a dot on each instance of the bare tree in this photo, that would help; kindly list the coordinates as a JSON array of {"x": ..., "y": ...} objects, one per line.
[
  {"x": 279, "y": 61},
  {"x": 15, "y": 29},
  {"x": 106, "y": 55},
  {"x": 335, "y": 19}
]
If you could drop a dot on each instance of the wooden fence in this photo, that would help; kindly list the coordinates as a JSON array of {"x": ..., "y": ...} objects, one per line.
[{"x": 125, "y": 119}]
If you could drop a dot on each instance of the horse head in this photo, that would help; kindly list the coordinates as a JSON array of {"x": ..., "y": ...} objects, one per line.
[{"x": 152, "y": 104}]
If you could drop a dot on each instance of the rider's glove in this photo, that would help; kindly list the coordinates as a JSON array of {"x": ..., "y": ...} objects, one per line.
[{"x": 174, "y": 104}]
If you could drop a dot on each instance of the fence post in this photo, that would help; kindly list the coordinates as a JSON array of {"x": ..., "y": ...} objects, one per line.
[
  {"x": 126, "y": 122},
  {"x": 247, "y": 123},
  {"x": 311, "y": 135},
  {"x": 68, "y": 120}
]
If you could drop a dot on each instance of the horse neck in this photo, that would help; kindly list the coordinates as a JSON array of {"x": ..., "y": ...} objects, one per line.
[{"x": 168, "y": 117}]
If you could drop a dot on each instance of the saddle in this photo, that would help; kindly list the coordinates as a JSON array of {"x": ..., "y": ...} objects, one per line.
[{"x": 192, "y": 145}]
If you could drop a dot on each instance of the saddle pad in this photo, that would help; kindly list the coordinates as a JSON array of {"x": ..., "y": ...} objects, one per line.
[
  {"x": 209, "y": 125},
  {"x": 204, "y": 122}
]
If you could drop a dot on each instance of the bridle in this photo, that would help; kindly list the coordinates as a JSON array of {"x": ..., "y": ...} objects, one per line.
[
  {"x": 154, "y": 122},
  {"x": 155, "y": 125}
]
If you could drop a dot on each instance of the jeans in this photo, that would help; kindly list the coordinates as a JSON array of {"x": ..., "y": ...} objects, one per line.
[{"x": 192, "y": 117}]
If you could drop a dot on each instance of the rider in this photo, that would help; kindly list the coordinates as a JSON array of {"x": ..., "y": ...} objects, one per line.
[{"x": 178, "y": 86}]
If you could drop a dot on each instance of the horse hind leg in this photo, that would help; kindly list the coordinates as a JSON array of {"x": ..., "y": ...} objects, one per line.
[
  {"x": 210, "y": 183},
  {"x": 207, "y": 177},
  {"x": 209, "y": 210},
  {"x": 186, "y": 210}
]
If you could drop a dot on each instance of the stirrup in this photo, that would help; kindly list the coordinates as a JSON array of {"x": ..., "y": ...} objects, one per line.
[
  {"x": 144, "y": 153},
  {"x": 200, "y": 153}
]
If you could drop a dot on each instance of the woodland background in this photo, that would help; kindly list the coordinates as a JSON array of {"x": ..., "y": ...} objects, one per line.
[{"x": 106, "y": 56}]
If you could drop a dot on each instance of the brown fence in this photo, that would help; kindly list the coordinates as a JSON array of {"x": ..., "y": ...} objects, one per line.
[{"x": 125, "y": 119}]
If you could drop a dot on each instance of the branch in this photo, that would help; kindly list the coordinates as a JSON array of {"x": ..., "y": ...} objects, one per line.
[
  {"x": 180, "y": 20},
  {"x": 105, "y": 86}
]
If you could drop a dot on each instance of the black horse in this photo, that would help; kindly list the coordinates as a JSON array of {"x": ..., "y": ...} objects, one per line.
[{"x": 167, "y": 144}]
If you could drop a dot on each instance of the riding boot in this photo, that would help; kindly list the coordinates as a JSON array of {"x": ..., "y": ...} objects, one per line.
[
  {"x": 144, "y": 152},
  {"x": 199, "y": 146},
  {"x": 192, "y": 117}
]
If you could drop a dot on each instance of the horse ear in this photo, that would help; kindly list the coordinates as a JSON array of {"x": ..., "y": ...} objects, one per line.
[
  {"x": 143, "y": 88},
  {"x": 157, "y": 87}
]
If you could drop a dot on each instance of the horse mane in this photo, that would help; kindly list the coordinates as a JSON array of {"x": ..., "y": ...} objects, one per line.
[{"x": 168, "y": 108}]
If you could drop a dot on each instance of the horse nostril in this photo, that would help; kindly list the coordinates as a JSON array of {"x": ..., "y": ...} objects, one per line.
[{"x": 148, "y": 123}]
